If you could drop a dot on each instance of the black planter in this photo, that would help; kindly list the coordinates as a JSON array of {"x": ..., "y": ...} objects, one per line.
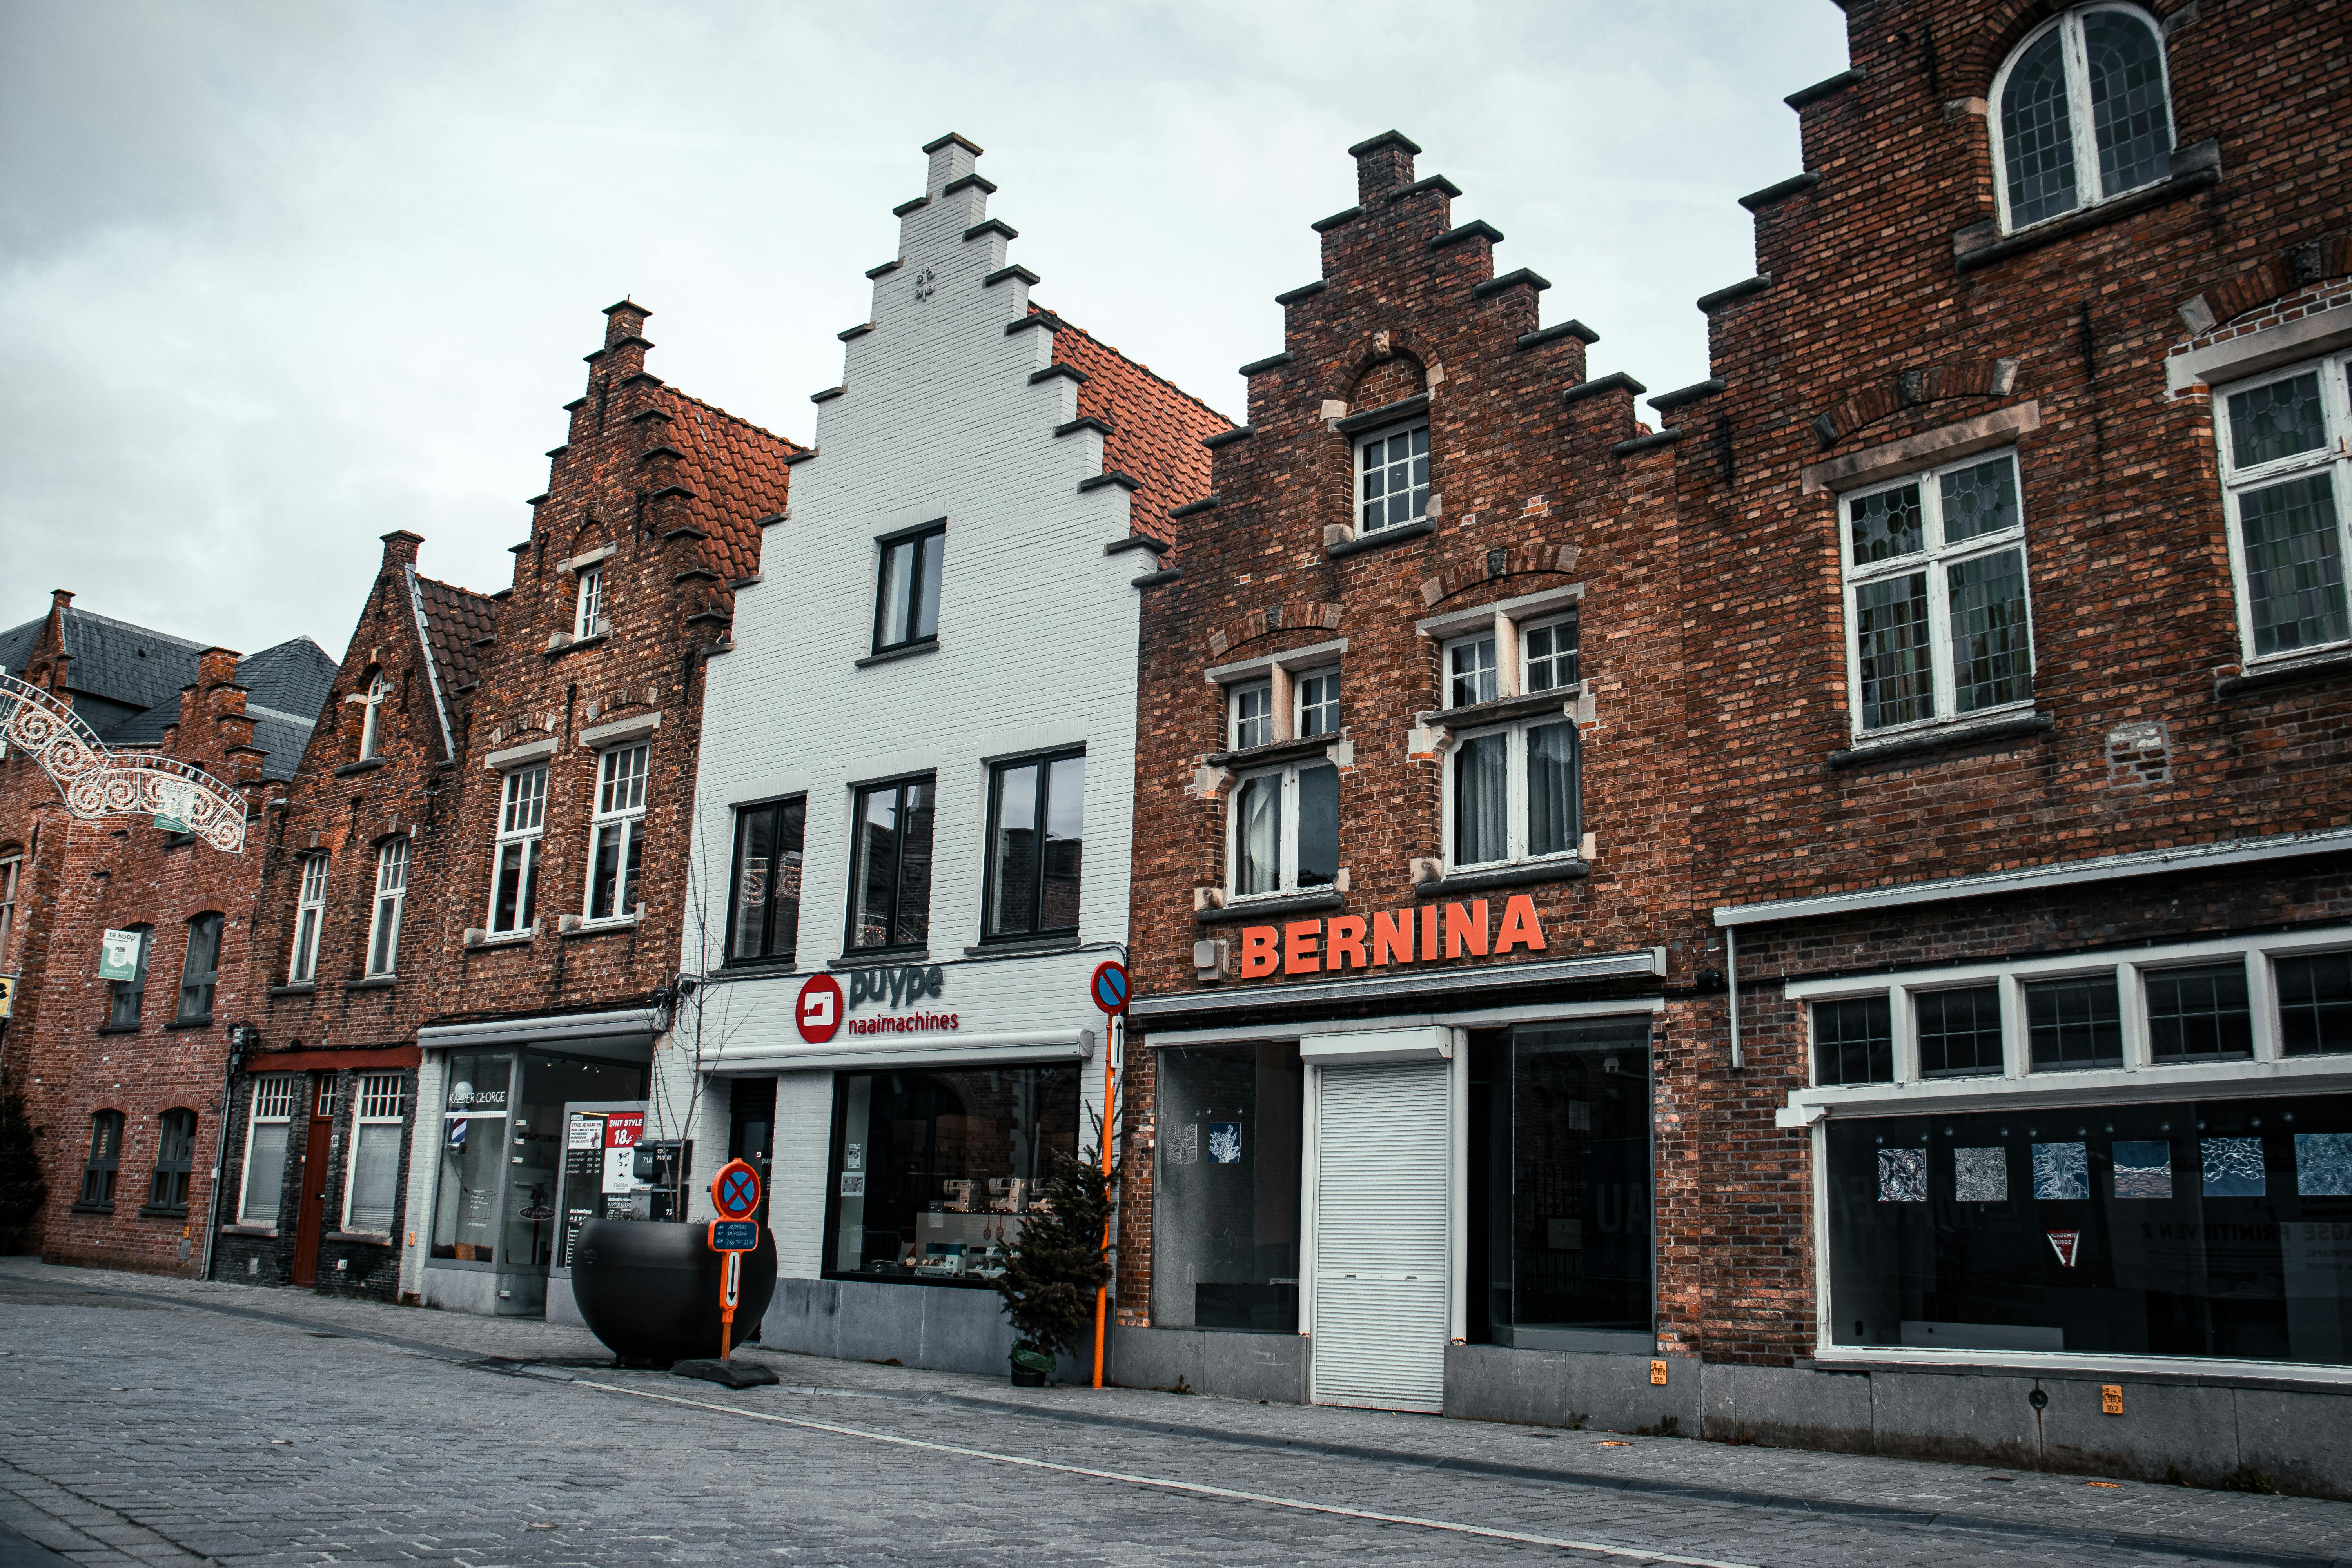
[
  {"x": 649, "y": 1290},
  {"x": 1024, "y": 1378}
]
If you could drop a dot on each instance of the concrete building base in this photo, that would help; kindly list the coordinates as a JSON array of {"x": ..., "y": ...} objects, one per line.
[
  {"x": 1237, "y": 1366},
  {"x": 458, "y": 1290},
  {"x": 943, "y": 1328}
]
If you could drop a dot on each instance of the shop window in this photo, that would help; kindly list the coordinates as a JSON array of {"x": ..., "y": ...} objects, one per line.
[
  {"x": 1037, "y": 844},
  {"x": 1853, "y": 1041},
  {"x": 616, "y": 835},
  {"x": 175, "y": 1158},
  {"x": 890, "y": 865},
  {"x": 2286, "y": 469},
  {"x": 2199, "y": 1013},
  {"x": 11, "y": 866},
  {"x": 1226, "y": 1188},
  {"x": 98, "y": 1169},
  {"x": 126, "y": 997},
  {"x": 514, "y": 867},
  {"x": 2073, "y": 1024},
  {"x": 309, "y": 914},
  {"x": 2314, "y": 996},
  {"x": 1392, "y": 478},
  {"x": 906, "y": 597},
  {"x": 1317, "y": 697},
  {"x": 391, "y": 896},
  {"x": 2085, "y": 114},
  {"x": 2203, "y": 1228},
  {"x": 1938, "y": 625},
  {"x": 200, "y": 970},
  {"x": 472, "y": 1156},
  {"x": 933, "y": 1172},
  {"x": 1560, "y": 1139},
  {"x": 1959, "y": 1031},
  {"x": 263, "y": 1182},
  {"x": 1285, "y": 830},
  {"x": 372, "y": 1185},
  {"x": 588, "y": 617},
  {"x": 764, "y": 913}
]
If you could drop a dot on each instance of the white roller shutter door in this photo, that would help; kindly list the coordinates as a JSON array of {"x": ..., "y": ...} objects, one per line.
[{"x": 1381, "y": 1203}]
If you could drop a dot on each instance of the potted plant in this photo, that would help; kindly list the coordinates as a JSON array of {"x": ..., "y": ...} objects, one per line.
[{"x": 1053, "y": 1267}]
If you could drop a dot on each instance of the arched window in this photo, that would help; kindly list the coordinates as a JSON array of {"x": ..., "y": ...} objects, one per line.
[
  {"x": 105, "y": 1155},
  {"x": 391, "y": 895},
  {"x": 175, "y": 1156},
  {"x": 199, "y": 971},
  {"x": 2082, "y": 114}
]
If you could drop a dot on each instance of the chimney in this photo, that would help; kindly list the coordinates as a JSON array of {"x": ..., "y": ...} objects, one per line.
[
  {"x": 217, "y": 666},
  {"x": 400, "y": 547},
  {"x": 46, "y": 667},
  {"x": 1383, "y": 164}
]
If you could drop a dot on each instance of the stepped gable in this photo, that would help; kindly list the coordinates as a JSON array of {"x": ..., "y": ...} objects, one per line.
[
  {"x": 738, "y": 474},
  {"x": 1156, "y": 427},
  {"x": 285, "y": 687}
]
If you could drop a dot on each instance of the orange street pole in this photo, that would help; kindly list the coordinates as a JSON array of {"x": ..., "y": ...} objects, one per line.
[
  {"x": 1109, "y": 1129},
  {"x": 727, "y": 1298}
]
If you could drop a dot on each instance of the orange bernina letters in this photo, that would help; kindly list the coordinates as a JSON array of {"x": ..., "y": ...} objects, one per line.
[{"x": 1258, "y": 951}]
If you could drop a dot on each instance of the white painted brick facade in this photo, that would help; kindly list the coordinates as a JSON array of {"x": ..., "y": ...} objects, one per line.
[{"x": 937, "y": 420}]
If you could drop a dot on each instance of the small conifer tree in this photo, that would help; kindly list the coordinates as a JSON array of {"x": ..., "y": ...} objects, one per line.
[
  {"x": 1054, "y": 1267},
  {"x": 21, "y": 1188}
]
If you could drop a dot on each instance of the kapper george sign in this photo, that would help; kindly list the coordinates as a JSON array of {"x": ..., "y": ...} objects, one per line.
[{"x": 1422, "y": 935}]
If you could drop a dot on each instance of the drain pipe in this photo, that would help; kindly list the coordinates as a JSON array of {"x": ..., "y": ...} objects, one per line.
[
  {"x": 1731, "y": 974},
  {"x": 240, "y": 1040}
]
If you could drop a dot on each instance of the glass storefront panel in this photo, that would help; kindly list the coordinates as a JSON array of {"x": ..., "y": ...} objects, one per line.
[
  {"x": 473, "y": 1156},
  {"x": 1225, "y": 1189},
  {"x": 1569, "y": 1210},
  {"x": 933, "y": 1170},
  {"x": 535, "y": 1147},
  {"x": 2216, "y": 1228}
]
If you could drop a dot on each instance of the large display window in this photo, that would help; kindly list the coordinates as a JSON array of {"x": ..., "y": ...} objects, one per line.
[
  {"x": 502, "y": 1150},
  {"x": 933, "y": 1172},
  {"x": 473, "y": 1156},
  {"x": 1561, "y": 1191},
  {"x": 2206, "y": 1227},
  {"x": 1225, "y": 1189}
]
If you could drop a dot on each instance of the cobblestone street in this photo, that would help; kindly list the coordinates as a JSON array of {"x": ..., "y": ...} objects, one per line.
[{"x": 156, "y": 1421}]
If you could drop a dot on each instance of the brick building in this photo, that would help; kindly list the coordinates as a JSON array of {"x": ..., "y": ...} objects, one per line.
[
  {"x": 1412, "y": 935},
  {"x": 340, "y": 962},
  {"x": 124, "y": 1077},
  {"x": 2016, "y": 657}
]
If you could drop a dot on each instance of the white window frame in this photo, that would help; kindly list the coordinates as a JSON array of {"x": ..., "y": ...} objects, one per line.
[
  {"x": 1238, "y": 723},
  {"x": 521, "y": 831},
  {"x": 1306, "y": 686},
  {"x": 2334, "y": 454},
  {"x": 274, "y": 1099},
  {"x": 391, "y": 900},
  {"x": 1490, "y": 668},
  {"x": 310, "y": 915},
  {"x": 378, "y": 1099},
  {"x": 626, "y": 819},
  {"x": 372, "y": 719},
  {"x": 12, "y": 868},
  {"x": 1285, "y": 833},
  {"x": 1380, "y": 436},
  {"x": 1516, "y": 831},
  {"x": 1935, "y": 559},
  {"x": 2141, "y": 1077},
  {"x": 1506, "y": 669},
  {"x": 2081, "y": 128},
  {"x": 588, "y": 616}
]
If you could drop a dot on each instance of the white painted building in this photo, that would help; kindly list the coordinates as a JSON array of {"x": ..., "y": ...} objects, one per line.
[{"x": 917, "y": 785}]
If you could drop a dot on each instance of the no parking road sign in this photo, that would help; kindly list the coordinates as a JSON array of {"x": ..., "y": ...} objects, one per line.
[
  {"x": 1109, "y": 987},
  {"x": 735, "y": 1191}
]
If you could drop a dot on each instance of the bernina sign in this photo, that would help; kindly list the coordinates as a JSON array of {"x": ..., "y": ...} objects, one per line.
[{"x": 1403, "y": 936}]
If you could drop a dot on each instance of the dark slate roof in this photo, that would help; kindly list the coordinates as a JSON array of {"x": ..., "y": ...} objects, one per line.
[
  {"x": 285, "y": 687},
  {"x": 128, "y": 668}
]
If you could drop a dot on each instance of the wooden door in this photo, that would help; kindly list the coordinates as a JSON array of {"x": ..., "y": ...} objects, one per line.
[{"x": 318, "y": 1163}]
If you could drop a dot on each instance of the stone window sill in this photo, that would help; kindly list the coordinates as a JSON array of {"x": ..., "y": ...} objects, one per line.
[
  {"x": 364, "y": 765},
  {"x": 93, "y": 1208},
  {"x": 2327, "y": 666},
  {"x": 163, "y": 1211},
  {"x": 754, "y": 968},
  {"x": 1380, "y": 540},
  {"x": 2196, "y": 167},
  {"x": 893, "y": 655},
  {"x": 2015, "y": 727},
  {"x": 882, "y": 958},
  {"x": 600, "y": 928},
  {"x": 1254, "y": 910},
  {"x": 1018, "y": 946},
  {"x": 300, "y": 988},
  {"x": 261, "y": 1230},
  {"x": 504, "y": 939},
  {"x": 203, "y": 1023},
  {"x": 1299, "y": 750},
  {"x": 118, "y": 1029},
  {"x": 1565, "y": 868},
  {"x": 361, "y": 1238},
  {"x": 373, "y": 982},
  {"x": 574, "y": 646}
]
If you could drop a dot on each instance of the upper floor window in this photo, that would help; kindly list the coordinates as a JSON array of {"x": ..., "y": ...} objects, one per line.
[
  {"x": 2288, "y": 478},
  {"x": 1036, "y": 841},
  {"x": 616, "y": 836},
  {"x": 98, "y": 1172},
  {"x": 372, "y": 718},
  {"x": 2085, "y": 114},
  {"x": 764, "y": 917},
  {"x": 274, "y": 1099},
  {"x": 1251, "y": 711},
  {"x": 514, "y": 868},
  {"x": 125, "y": 998},
  {"x": 588, "y": 610},
  {"x": 907, "y": 600},
  {"x": 200, "y": 970},
  {"x": 371, "y": 1185},
  {"x": 175, "y": 1157},
  {"x": 1513, "y": 787},
  {"x": 1318, "y": 701},
  {"x": 309, "y": 913},
  {"x": 11, "y": 866},
  {"x": 1392, "y": 478},
  {"x": 890, "y": 863},
  {"x": 1936, "y": 605},
  {"x": 1284, "y": 833},
  {"x": 390, "y": 896}
]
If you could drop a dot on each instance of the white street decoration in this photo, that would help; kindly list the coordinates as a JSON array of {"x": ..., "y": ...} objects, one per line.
[{"x": 98, "y": 782}]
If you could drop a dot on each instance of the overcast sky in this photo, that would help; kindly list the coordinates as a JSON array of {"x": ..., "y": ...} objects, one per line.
[{"x": 277, "y": 279}]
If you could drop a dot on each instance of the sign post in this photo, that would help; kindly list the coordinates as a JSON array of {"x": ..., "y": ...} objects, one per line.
[
  {"x": 1109, "y": 989},
  {"x": 735, "y": 1193}
]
